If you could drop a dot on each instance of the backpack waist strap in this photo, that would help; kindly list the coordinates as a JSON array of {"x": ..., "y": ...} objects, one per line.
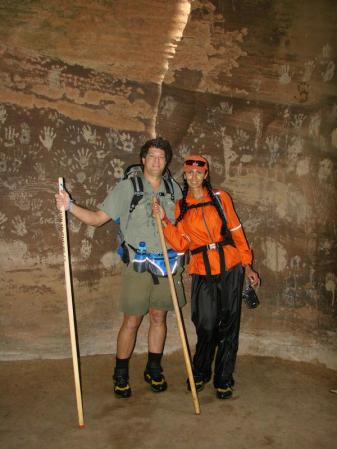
[{"x": 215, "y": 245}]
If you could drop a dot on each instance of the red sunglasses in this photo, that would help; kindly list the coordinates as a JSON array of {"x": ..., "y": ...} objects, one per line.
[{"x": 193, "y": 162}]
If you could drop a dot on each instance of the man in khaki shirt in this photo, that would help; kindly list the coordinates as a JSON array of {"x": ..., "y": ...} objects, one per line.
[{"x": 139, "y": 295}]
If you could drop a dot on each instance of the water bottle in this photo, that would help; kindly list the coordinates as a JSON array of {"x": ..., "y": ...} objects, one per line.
[{"x": 140, "y": 259}]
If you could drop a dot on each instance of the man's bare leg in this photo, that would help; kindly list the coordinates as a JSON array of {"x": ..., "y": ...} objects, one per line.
[
  {"x": 126, "y": 341},
  {"x": 157, "y": 335},
  {"x": 157, "y": 330},
  {"x": 127, "y": 335}
]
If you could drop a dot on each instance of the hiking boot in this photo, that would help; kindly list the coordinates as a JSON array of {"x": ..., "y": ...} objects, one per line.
[
  {"x": 156, "y": 379},
  {"x": 224, "y": 392},
  {"x": 122, "y": 388},
  {"x": 199, "y": 383}
]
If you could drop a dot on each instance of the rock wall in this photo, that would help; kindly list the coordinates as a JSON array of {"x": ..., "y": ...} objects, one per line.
[
  {"x": 250, "y": 84},
  {"x": 253, "y": 87}
]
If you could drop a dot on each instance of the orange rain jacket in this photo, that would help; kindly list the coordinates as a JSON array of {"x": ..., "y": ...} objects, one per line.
[{"x": 202, "y": 226}]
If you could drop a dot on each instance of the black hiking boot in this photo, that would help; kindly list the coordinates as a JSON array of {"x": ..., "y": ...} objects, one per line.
[
  {"x": 122, "y": 388},
  {"x": 199, "y": 382},
  {"x": 225, "y": 391},
  {"x": 154, "y": 376}
]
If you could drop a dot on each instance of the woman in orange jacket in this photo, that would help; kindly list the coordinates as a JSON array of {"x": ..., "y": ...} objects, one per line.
[{"x": 207, "y": 226}]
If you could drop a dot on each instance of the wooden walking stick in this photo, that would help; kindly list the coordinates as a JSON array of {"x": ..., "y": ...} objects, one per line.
[
  {"x": 178, "y": 316},
  {"x": 71, "y": 313}
]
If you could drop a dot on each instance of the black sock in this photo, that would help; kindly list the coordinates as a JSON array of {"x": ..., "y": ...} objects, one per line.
[
  {"x": 154, "y": 360},
  {"x": 122, "y": 363}
]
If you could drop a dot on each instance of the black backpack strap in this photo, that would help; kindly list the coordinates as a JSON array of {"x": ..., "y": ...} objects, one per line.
[
  {"x": 169, "y": 187},
  {"x": 195, "y": 206},
  {"x": 138, "y": 192}
]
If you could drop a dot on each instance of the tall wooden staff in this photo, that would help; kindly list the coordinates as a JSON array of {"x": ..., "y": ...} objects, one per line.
[
  {"x": 71, "y": 313},
  {"x": 178, "y": 316}
]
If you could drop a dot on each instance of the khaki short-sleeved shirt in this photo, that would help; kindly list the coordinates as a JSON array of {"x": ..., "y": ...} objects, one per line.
[{"x": 140, "y": 225}]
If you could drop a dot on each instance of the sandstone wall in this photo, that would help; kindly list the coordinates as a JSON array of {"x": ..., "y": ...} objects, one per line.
[{"x": 250, "y": 84}]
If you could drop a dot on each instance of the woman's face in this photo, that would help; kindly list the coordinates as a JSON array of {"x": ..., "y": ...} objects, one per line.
[{"x": 195, "y": 178}]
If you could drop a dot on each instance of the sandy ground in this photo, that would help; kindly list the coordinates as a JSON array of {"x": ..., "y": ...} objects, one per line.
[{"x": 277, "y": 404}]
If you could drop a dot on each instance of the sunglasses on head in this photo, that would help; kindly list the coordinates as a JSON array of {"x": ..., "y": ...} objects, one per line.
[{"x": 193, "y": 162}]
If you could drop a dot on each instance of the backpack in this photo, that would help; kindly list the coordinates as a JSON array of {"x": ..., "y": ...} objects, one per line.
[
  {"x": 134, "y": 172},
  {"x": 227, "y": 238}
]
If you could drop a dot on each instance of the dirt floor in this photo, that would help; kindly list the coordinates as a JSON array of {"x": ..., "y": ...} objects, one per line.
[{"x": 277, "y": 404}]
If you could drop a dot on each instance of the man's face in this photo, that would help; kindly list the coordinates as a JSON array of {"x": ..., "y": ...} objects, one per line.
[{"x": 154, "y": 162}]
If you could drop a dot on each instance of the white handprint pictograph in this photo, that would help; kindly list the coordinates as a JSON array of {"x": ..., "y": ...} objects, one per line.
[
  {"x": 36, "y": 206},
  {"x": 117, "y": 165},
  {"x": 295, "y": 148},
  {"x": 90, "y": 231},
  {"x": 47, "y": 136},
  {"x": 309, "y": 68},
  {"x": 218, "y": 167},
  {"x": 113, "y": 138},
  {"x": 329, "y": 72},
  {"x": 298, "y": 120},
  {"x": 25, "y": 134},
  {"x": 3, "y": 114},
  {"x": 62, "y": 158},
  {"x": 325, "y": 169},
  {"x": 285, "y": 77},
  {"x": 74, "y": 134},
  {"x": 88, "y": 134},
  {"x": 86, "y": 247},
  {"x": 75, "y": 225},
  {"x": 40, "y": 170},
  {"x": 10, "y": 136},
  {"x": 21, "y": 199},
  {"x": 314, "y": 125},
  {"x": 19, "y": 226},
  {"x": 241, "y": 136},
  {"x": 3, "y": 163},
  {"x": 226, "y": 107},
  {"x": 54, "y": 76},
  {"x": 3, "y": 220},
  {"x": 183, "y": 150},
  {"x": 82, "y": 157},
  {"x": 127, "y": 143},
  {"x": 331, "y": 286},
  {"x": 326, "y": 51},
  {"x": 273, "y": 145}
]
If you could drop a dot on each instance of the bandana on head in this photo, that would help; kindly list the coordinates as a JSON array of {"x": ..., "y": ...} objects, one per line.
[{"x": 195, "y": 162}]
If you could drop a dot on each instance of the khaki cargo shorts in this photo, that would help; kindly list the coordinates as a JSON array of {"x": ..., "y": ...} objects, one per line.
[{"x": 139, "y": 293}]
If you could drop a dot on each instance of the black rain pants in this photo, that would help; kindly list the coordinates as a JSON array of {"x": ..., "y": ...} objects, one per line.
[{"x": 216, "y": 312}]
